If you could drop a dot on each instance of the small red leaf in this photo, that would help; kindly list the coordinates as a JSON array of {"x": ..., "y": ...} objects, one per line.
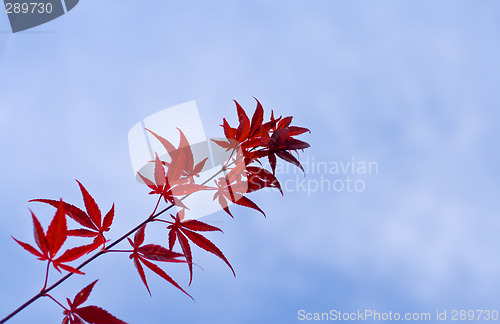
[
  {"x": 229, "y": 132},
  {"x": 139, "y": 236},
  {"x": 171, "y": 239},
  {"x": 199, "y": 167},
  {"x": 207, "y": 245},
  {"x": 244, "y": 128},
  {"x": 148, "y": 182},
  {"x": 272, "y": 162},
  {"x": 295, "y": 130},
  {"x": 30, "y": 249},
  {"x": 78, "y": 320},
  {"x": 83, "y": 295},
  {"x": 168, "y": 146},
  {"x": 82, "y": 233},
  {"x": 75, "y": 253},
  {"x": 68, "y": 268},
  {"x": 97, "y": 315},
  {"x": 290, "y": 158},
  {"x": 159, "y": 172},
  {"x": 259, "y": 178},
  {"x": 244, "y": 201},
  {"x": 108, "y": 219},
  {"x": 139, "y": 268},
  {"x": 162, "y": 274},
  {"x": 223, "y": 144},
  {"x": 40, "y": 238},
  {"x": 188, "y": 188},
  {"x": 257, "y": 118},
  {"x": 56, "y": 234},
  {"x": 241, "y": 112},
  {"x": 159, "y": 253},
  {"x": 74, "y": 212},
  {"x": 186, "y": 249},
  {"x": 185, "y": 148},
  {"x": 285, "y": 122},
  {"x": 92, "y": 209},
  {"x": 195, "y": 225}
]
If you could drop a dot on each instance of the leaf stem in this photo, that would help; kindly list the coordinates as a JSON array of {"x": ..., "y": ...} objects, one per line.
[
  {"x": 58, "y": 303},
  {"x": 164, "y": 221},
  {"x": 46, "y": 276}
]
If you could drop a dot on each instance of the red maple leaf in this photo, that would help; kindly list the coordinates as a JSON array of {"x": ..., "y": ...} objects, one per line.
[
  {"x": 259, "y": 178},
  {"x": 170, "y": 186},
  {"x": 256, "y": 139},
  {"x": 281, "y": 143},
  {"x": 90, "y": 314},
  {"x": 92, "y": 220},
  {"x": 233, "y": 189},
  {"x": 185, "y": 231},
  {"x": 182, "y": 165},
  {"x": 50, "y": 243},
  {"x": 244, "y": 135},
  {"x": 142, "y": 253}
]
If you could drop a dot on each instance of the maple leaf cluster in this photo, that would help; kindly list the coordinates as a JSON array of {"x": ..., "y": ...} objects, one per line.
[
  {"x": 91, "y": 314},
  {"x": 251, "y": 141},
  {"x": 173, "y": 180},
  {"x": 248, "y": 143},
  {"x": 50, "y": 243}
]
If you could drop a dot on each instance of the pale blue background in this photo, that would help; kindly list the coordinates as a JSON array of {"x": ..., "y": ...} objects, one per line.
[{"x": 412, "y": 85}]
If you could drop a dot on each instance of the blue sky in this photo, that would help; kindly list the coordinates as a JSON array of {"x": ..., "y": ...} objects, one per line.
[{"x": 410, "y": 85}]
